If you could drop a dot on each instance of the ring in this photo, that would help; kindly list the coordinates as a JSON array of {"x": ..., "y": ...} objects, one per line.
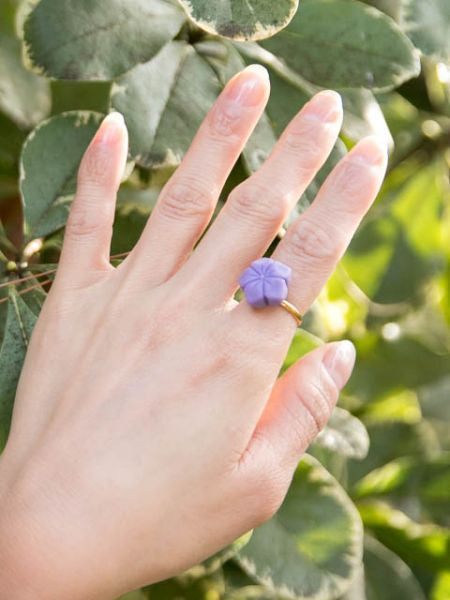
[{"x": 265, "y": 283}]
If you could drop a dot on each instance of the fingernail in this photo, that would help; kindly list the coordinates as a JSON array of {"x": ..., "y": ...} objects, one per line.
[
  {"x": 325, "y": 106},
  {"x": 248, "y": 87},
  {"x": 110, "y": 128},
  {"x": 370, "y": 151},
  {"x": 339, "y": 361}
]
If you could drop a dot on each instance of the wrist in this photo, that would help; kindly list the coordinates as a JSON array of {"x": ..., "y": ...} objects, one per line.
[{"x": 30, "y": 568}]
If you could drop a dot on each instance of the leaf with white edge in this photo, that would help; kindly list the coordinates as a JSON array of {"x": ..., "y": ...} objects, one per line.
[
  {"x": 312, "y": 547},
  {"x": 20, "y": 321},
  {"x": 427, "y": 23},
  {"x": 24, "y": 97},
  {"x": 382, "y": 565},
  {"x": 344, "y": 434},
  {"x": 424, "y": 545},
  {"x": 161, "y": 103},
  {"x": 214, "y": 562},
  {"x": 97, "y": 39},
  {"x": 346, "y": 44},
  {"x": 241, "y": 19},
  {"x": 49, "y": 165}
]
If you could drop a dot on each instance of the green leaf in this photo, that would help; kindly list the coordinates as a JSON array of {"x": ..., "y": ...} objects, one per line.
[
  {"x": 346, "y": 44},
  {"x": 214, "y": 562},
  {"x": 426, "y": 546},
  {"x": 387, "y": 576},
  {"x": 344, "y": 434},
  {"x": 241, "y": 19},
  {"x": 12, "y": 138},
  {"x": 20, "y": 321},
  {"x": 49, "y": 165},
  {"x": 417, "y": 482},
  {"x": 427, "y": 23},
  {"x": 363, "y": 116},
  {"x": 391, "y": 440},
  {"x": 80, "y": 95},
  {"x": 441, "y": 587},
  {"x": 161, "y": 103},
  {"x": 312, "y": 547},
  {"x": 24, "y": 97},
  {"x": 97, "y": 39},
  {"x": 302, "y": 343}
]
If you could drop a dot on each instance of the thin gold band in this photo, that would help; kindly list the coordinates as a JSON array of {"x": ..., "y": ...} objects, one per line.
[{"x": 292, "y": 311}]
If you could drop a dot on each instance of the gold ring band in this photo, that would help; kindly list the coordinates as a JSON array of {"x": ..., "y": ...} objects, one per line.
[{"x": 292, "y": 310}]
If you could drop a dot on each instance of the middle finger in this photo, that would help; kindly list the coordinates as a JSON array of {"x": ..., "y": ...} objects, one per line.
[{"x": 257, "y": 208}]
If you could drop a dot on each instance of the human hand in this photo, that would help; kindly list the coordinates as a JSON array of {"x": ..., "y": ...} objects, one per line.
[{"x": 149, "y": 428}]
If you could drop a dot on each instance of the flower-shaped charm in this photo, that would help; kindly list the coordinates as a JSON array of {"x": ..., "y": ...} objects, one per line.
[{"x": 265, "y": 282}]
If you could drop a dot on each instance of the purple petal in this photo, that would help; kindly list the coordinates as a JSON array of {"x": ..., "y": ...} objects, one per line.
[
  {"x": 254, "y": 292},
  {"x": 248, "y": 275},
  {"x": 278, "y": 269},
  {"x": 275, "y": 290},
  {"x": 261, "y": 264}
]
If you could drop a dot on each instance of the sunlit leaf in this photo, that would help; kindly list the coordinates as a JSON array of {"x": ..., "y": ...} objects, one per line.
[
  {"x": 241, "y": 19},
  {"x": 344, "y": 434},
  {"x": 424, "y": 545},
  {"x": 441, "y": 587},
  {"x": 312, "y": 546},
  {"x": 387, "y": 576}
]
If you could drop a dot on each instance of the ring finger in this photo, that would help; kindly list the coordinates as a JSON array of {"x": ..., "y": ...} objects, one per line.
[{"x": 316, "y": 241}]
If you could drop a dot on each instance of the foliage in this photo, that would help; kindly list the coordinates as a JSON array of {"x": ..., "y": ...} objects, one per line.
[{"x": 162, "y": 63}]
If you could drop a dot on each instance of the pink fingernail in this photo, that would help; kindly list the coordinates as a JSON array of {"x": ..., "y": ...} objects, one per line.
[
  {"x": 325, "y": 106},
  {"x": 109, "y": 129},
  {"x": 370, "y": 151},
  {"x": 339, "y": 361},
  {"x": 248, "y": 87}
]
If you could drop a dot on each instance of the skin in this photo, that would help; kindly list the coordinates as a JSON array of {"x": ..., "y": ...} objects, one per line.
[{"x": 150, "y": 429}]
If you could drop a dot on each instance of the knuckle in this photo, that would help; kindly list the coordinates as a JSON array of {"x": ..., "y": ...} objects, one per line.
[
  {"x": 186, "y": 198},
  {"x": 317, "y": 402},
  {"x": 311, "y": 240},
  {"x": 223, "y": 123},
  {"x": 307, "y": 143},
  {"x": 259, "y": 204},
  {"x": 86, "y": 221},
  {"x": 351, "y": 183},
  {"x": 94, "y": 167}
]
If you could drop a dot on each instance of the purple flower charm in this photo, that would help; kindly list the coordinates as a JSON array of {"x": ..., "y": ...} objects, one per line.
[{"x": 265, "y": 282}]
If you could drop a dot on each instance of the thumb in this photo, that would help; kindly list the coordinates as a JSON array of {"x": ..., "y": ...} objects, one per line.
[{"x": 301, "y": 403}]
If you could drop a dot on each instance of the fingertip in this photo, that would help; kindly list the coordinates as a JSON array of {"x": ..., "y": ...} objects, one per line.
[
  {"x": 259, "y": 71},
  {"x": 326, "y": 106},
  {"x": 250, "y": 87},
  {"x": 371, "y": 151},
  {"x": 112, "y": 129}
]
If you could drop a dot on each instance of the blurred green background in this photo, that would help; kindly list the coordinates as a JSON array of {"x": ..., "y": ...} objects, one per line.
[{"x": 390, "y": 59}]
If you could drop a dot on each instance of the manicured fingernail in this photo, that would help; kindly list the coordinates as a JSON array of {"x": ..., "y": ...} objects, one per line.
[
  {"x": 325, "y": 106},
  {"x": 248, "y": 88},
  {"x": 370, "y": 151},
  {"x": 110, "y": 129},
  {"x": 339, "y": 361}
]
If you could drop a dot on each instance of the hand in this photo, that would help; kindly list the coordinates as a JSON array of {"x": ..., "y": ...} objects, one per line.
[{"x": 149, "y": 428}]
